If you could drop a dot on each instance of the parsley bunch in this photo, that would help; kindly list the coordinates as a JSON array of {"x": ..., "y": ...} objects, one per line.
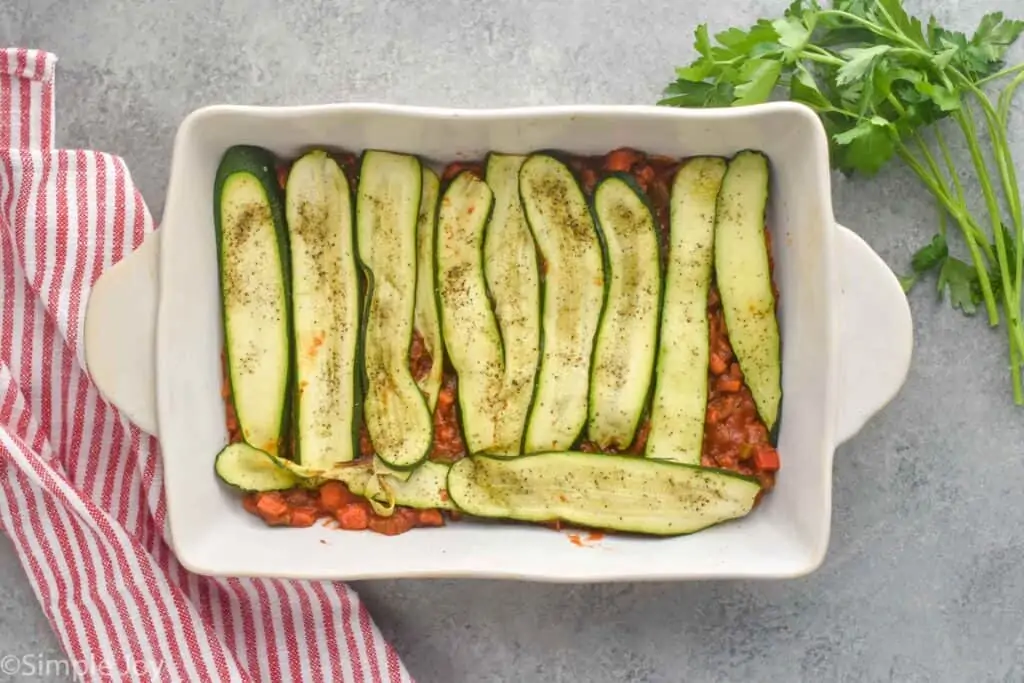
[{"x": 879, "y": 79}]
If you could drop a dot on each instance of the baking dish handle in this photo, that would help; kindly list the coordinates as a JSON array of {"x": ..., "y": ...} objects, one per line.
[
  {"x": 876, "y": 334},
  {"x": 120, "y": 334}
]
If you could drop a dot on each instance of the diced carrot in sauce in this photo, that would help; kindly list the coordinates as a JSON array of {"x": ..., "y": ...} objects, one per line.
[
  {"x": 353, "y": 517},
  {"x": 333, "y": 495},
  {"x": 446, "y": 397},
  {"x": 766, "y": 458},
  {"x": 303, "y": 516},
  {"x": 621, "y": 160},
  {"x": 397, "y": 523},
  {"x": 271, "y": 504},
  {"x": 430, "y": 518},
  {"x": 717, "y": 364},
  {"x": 729, "y": 385},
  {"x": 249, "y": 504}
]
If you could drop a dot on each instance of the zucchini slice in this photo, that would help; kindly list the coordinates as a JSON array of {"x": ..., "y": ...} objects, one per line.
[
  {"x": 252, "y": 255},
  {"x": 627, "y": 339},
  {"x": 425, "y": 488},
  {"x": 426, "y": 318},
  {"x": 387, "y": 211},
  {"x": 573, "y": 296},
  {"x": 468, "y": 325},
  {"x": 252, "y": 470},
  {"x": 325, "y": 305},
  {"x": 744, "y": 280},
  {"x": 615, "y": 492},
  {"x": 681, "y": 384},
  {"x": 513, "y": 279}
]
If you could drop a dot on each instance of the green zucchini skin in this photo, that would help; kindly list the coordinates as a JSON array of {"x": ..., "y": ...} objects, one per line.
[
  {"x": 743, "y": 275},
  {"x": 395, "y": 410},
  {"x": 248, "y": 164},
  {"x": 679, "y": 404},
  {"x": 326, "y": 309},
  {"x": 570, "y": 246},
  {"x": 627, "y": 338},
  {"x": 603, "y": 491}
]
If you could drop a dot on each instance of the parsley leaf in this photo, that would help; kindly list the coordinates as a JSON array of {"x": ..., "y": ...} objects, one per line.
[
  {"x": 861, "y": 60},
  {"x": 929, "y": 256},
  {"x": 758, "y": 78},
  {"x": 960, "y": 279}
]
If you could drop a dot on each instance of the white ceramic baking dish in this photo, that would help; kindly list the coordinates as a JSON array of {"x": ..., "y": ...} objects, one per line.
[{"x": 153, "y": 340}]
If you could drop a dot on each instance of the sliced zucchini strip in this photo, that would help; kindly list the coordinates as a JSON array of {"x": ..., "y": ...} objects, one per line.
[
  {"x": 513, "y": 280},
  {"x": 252, "y": 252},
  {"x": 467, "y": 321},
  {"x": 615, "y": 492},
  {"x": 426, "y": 320},
  {"x": 627, "y": 339},
  {"x": 681, "y": 386},
  {"x": 252, "y": 470},
  {"x": 325, "y": 301},
  {"x": 573, "y": 295},
  {"x": 387, "y": 211},
  {"x": 744, "y": 280}
]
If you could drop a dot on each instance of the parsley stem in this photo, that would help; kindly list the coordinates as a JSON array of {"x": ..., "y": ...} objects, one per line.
[
  {"x": 940, "y": 139},
  {"x": 1000, "y": 74},
  {"x": 1001, "y": 153},
  {"x": 1008, "y": 175},
  {"x": 1005, "y": 102},
  {"x": 1006, "y": 98},
  {"x": 961, "y": 197},
  {"x": 959, "y": 211},
  {"x": 822, "y": 58},
  {"x": 966, "y": 226},
  {"x": 871, "y": 26},
  {"x": 1012, "y": 302}
]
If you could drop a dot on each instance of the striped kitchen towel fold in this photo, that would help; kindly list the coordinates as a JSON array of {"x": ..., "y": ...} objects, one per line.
[{"x": 81, "y": 492}]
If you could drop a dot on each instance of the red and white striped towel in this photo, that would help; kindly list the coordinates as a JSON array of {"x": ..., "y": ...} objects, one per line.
[{"x": 81, "y": 489}]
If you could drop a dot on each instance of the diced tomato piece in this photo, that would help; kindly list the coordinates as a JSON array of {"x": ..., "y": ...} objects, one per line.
[
  {"x": 766, "y": 458},
  {"x": 353, "y": 517},
  {"x": 282, "y": 174}
]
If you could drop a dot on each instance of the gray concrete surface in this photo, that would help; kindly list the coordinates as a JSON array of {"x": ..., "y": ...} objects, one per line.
[{"x": 923, "y": 580}]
